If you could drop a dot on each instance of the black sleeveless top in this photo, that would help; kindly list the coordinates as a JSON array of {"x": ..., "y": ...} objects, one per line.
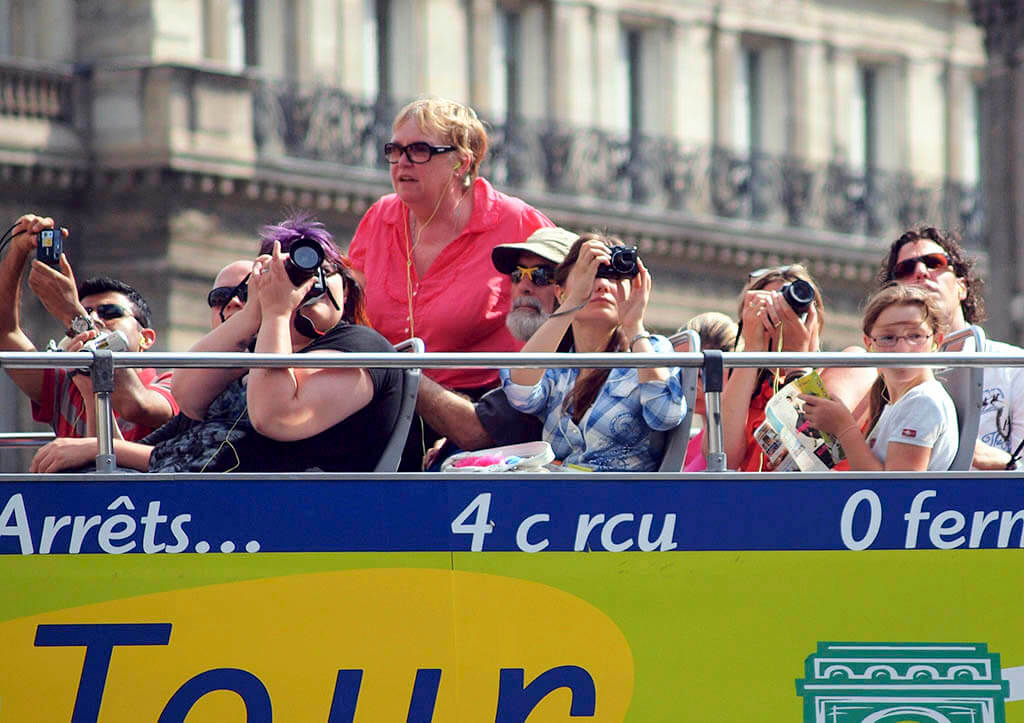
[{"x": 225, "y": 440}]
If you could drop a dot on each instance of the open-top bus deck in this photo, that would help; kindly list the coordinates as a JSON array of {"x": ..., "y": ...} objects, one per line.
[{"x": 718, "y": 596}]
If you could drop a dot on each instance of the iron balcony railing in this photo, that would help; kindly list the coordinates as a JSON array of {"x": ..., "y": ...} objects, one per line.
[
  {"x": 659, "y": 174},
  {"x": 102, "y": 365}
]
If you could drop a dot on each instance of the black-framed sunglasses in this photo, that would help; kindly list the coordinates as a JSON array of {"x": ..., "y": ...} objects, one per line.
[
  {"x": 222, "y": 295},
  {"x": 418, "y": 152},
  {"x": 539, "y": 275},
  {"x": 938, "y": 260},
  {"x": 109, "y": 312}
]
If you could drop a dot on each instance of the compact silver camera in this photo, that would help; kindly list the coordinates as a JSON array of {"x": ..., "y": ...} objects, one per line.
[{"x": 108, "y": 341}]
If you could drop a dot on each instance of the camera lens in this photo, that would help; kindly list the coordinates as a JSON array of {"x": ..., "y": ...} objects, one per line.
[
  {"x": 799, "y": 295},
  {"x": 625, "y": 260},
  {"x": 623, "y": 264},
  {"x": 304, "y": 257}
]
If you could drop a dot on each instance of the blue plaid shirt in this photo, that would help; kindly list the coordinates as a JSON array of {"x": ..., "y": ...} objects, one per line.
[{"x": 624, "y": 429}]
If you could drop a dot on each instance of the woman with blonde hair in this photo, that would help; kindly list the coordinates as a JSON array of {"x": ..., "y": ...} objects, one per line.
[
  {"x": 424, "y": 252},
  {"x": 768, "y": 321},
  {"x": 913, "y": 420}
]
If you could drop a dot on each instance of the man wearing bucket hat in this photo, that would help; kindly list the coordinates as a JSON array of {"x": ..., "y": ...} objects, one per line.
[{"x": 492, "y": 421}]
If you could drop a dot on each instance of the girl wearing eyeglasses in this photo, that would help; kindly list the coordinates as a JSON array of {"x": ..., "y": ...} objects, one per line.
[
  {"x": 600, "y": 419},
  {"x": 913, "y": 421}
]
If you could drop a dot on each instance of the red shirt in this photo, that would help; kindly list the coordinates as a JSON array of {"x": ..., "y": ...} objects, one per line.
[
  {"x": 63, "y": 408},
  {"x": 755, "y": 460},
  {"x": 460, "y": 303}
]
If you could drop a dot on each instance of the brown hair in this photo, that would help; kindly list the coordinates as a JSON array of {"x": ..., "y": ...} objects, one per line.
[
  {"x": 973, "y": 305},
  {"x": 896, "y": 294},
  {"x": 584, "y": 392},
  {"x": 457, "y": 124}
]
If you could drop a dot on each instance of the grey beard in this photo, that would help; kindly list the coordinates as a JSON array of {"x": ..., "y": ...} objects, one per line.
[{"x": 524, "y": 320}]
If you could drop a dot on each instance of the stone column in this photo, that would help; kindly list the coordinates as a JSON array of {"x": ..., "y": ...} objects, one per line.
[
  {"x": 1003, "y": 162},
  {"x": 481, "y": 43},
  {"x": 690, "y": 111},
  {"x": 726, "y": 56},
  {"x": 606, "y": 42},
  {"x": 215, "y": 30},
  {"x": 957, "y": 89},
  {"x": 810, "y": 113},
  {"x": 572, "y": 69},
  {"x": 350, "y": 49}
]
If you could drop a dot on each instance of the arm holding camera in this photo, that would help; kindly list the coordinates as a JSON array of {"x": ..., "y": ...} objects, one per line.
[
  {"x": 195, "y": 389},
  {"x": 288, "y": 404},
  {"x": 12, "y": 337},
  {"x": 578, "y": 290},
  {"x": 57, "y": 290}
]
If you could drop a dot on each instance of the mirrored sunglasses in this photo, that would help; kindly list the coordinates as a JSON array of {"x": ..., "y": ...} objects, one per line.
[
  {"x": 539, "y": 275},
  {"x": 907, "y": 267}
]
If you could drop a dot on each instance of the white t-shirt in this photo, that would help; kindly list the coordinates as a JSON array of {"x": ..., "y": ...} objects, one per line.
[
  {"x": 1002, "y": 406},
  {"x": 924, "y": 416}
]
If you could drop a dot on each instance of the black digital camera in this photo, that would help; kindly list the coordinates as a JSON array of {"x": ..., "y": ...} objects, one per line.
[
  {"x": 623, "y": 264},
  {"x": 49, "y": 246},
  {"x": 799, "y": 294},
  {"x": 305, "y": 257}
]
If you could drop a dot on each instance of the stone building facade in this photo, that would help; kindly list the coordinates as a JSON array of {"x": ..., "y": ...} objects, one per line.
[{"x": 720, "y": 136}]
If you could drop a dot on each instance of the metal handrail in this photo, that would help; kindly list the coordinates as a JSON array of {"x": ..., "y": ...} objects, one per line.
[
  {"x": 105, "y": 460},
  {"x": 25, "y": 439},
  {"x": 495, "y": 360}
]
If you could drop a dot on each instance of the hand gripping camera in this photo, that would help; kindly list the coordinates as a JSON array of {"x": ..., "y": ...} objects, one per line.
[
  {"x": 49, "y": 246},
  {"x": 623, "y": 264},
  {"x": 305, "y": 259},
  {"x": 799, "y": 294}
]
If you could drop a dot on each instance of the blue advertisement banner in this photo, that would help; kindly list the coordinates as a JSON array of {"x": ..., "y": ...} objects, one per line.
[{"x": 508, "y": 513}]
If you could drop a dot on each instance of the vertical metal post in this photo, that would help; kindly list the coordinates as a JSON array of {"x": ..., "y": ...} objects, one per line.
[
  {"x": 103, "y": 388},
  {"x": 713, "y": 378}
]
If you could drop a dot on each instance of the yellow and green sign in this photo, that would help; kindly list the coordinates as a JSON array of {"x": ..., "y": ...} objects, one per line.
[{"x": 510, "y": 599}]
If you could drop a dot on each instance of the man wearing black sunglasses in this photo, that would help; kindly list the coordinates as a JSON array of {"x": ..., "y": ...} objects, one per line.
[
  {"x": 934, "y": 260},
  {"x": 229, "y": 293},
  {"x": 142, "y": 399},
  {"x": 492, "y": 421}
]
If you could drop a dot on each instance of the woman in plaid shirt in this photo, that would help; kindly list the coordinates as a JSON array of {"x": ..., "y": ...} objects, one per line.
[{"x": 601, "y": 419}]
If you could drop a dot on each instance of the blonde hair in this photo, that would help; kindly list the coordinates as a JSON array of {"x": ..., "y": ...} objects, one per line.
[
  {"x": 896, "y": 294},
  {"x": 716, "y": 330},
  {"x": 457, "y": 124}
]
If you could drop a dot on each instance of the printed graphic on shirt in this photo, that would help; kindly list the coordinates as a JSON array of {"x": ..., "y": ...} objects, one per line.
[
  {"x": 993, "y": 401},
  {"x": 907, "y": 432}
]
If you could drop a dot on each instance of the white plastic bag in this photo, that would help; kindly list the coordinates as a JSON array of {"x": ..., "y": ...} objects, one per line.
[{"x": 526, "y": 457}]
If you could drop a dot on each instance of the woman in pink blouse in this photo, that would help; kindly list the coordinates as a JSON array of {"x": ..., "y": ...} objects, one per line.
[{"x": 424, "y": 252}]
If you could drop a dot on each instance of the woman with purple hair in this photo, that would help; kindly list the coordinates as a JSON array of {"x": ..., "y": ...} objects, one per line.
[{"x": 289, "y": 419}]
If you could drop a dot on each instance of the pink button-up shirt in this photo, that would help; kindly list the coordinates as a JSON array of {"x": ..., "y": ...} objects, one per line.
[{"x": 460, "y": 303}]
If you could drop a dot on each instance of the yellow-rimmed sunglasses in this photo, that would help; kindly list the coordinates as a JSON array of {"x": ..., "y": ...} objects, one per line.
[{"x": 539, "y": 275}]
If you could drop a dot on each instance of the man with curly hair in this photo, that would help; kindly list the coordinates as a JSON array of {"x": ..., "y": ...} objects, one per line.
[{"x": 934, "y": 260}]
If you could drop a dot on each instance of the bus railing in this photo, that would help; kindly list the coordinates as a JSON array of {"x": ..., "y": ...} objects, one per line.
[{"x": 101, "y": 365}]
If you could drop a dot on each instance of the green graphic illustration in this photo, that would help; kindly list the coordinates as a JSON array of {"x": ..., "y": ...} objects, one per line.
[{"x": 903, "y": 683}]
